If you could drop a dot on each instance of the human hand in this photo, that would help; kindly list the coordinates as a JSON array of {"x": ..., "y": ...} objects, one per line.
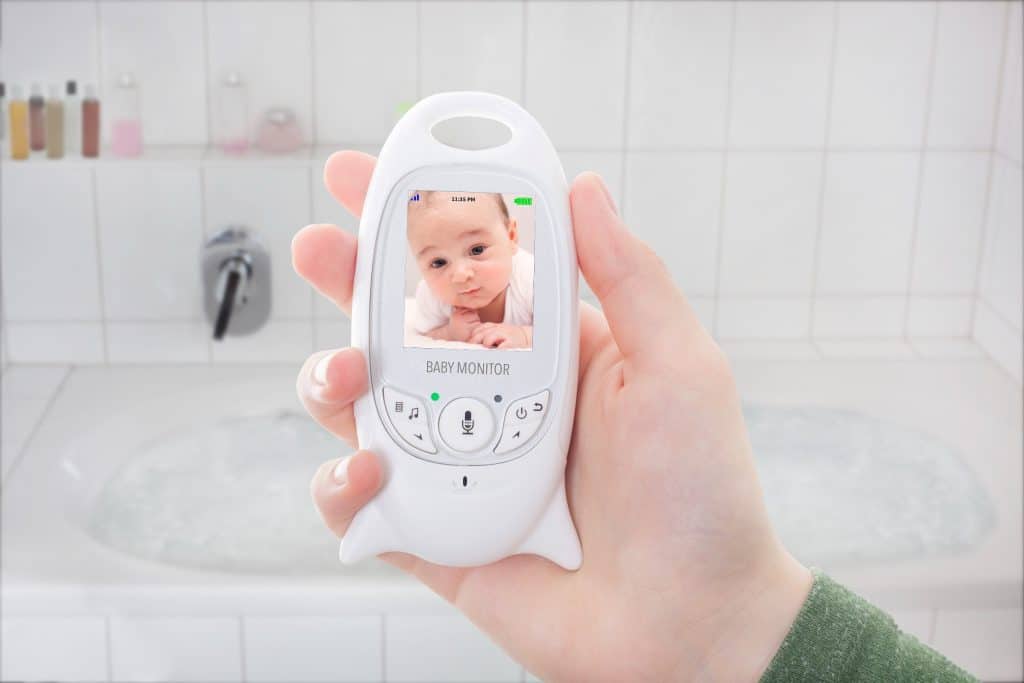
[
  {"x": 683, "y": 577},
  {"x": 463, "y": 323},
  {"x": 500, "y": 336}
]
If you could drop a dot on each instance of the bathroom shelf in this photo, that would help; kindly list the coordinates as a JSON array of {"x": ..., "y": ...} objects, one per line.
[{"x": 192, "y": 156}]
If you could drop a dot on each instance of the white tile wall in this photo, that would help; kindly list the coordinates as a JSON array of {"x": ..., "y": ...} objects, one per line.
[
  {"x": 679, "y": 73},
  {"x": 939, "y": 316},
  {"x": 859, "y": 316},
  {"x": 175, "y": 649},
  {"x": 29, "y": 31},
  {"x": 444, "y": 648},
  {"x": 29, "y": 649},
  {"x": 270, "y": 45},
  {"x": 949, "y": 222},
  {"x": 763, "y": 318},
  {"x": 770, "y": 224},
  {"x": 1001, "y": 274},
  {"x": 56, "y": 342},
  {"x": 364, "y": 68},
  {"x": 1011, "y": 109},
  {"x": 710, "y": 154},
  {"x": 780, "y": 73},
  {"x": 144, "y": 38},
  {"x": 672, "y": 202},
  {"x": 472, "y": 46},
  {"x": 313, "y": 649},
  {"x": 968, "y": 47},
  {"x": 883, "y": 53},
  {"x": 867, "y": 222},
  {"x": 49, "y": 247},
  {"x": 576, "y": 71},
  {"x": 151, "y": 227}
]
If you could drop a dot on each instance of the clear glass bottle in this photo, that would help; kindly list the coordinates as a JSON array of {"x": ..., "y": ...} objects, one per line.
[
  {"x": 126, "y": 123},
  {"x": 54, "y": 124},
  {"x": 72, "y": 120},
  {"x": 234, "y": 115}
]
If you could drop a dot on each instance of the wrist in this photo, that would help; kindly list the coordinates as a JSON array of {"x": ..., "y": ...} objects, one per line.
[{"x": 755, "y": 630}]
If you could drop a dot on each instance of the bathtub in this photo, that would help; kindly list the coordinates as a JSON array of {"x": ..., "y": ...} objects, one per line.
[{"x": 216, "y": 604}]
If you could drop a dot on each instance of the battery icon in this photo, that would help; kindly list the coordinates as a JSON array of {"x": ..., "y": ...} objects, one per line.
[{"x": 523, "y": 201}]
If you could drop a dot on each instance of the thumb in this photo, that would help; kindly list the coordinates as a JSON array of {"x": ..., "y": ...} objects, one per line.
[{"x": 646, "y": 312}]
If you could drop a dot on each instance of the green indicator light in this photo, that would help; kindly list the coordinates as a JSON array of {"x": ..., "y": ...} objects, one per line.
[
  {"x": 434, "y": 396},
  {"x": 523, "y": 201}
]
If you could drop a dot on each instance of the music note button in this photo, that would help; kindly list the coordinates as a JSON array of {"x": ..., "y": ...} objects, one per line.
[{"x": 408, "y": 416}]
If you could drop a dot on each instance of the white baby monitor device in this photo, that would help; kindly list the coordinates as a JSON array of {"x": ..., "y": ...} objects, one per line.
[{"x": 472, "y": 435}]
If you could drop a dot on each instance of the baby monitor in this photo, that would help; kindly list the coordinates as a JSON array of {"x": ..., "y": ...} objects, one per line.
[{"x": 465, "y": 306}]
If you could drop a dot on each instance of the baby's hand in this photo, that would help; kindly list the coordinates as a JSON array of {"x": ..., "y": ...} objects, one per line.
[
  {"x": 463, "y": 323},
  {"x": 502, "y": 336}
]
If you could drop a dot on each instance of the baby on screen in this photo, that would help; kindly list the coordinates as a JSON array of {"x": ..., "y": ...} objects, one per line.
[{"x": 477, "y": 282}]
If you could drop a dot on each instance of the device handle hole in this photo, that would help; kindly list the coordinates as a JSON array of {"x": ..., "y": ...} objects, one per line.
[{"x": 472, "y": 133}]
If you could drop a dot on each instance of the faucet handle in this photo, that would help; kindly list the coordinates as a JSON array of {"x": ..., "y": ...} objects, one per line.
[
  {"x": 236, "y": 282},
  {"x": 234, "y": 275}
]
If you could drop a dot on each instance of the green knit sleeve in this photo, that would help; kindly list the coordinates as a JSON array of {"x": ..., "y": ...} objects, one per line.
[{"x": 839, "y": 636}]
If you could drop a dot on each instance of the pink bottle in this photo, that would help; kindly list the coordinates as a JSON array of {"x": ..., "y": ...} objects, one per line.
[{"x": 126, "y": 126}]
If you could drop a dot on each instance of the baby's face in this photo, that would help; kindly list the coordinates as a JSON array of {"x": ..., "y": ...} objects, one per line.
[{"x": 463, "y": 249}]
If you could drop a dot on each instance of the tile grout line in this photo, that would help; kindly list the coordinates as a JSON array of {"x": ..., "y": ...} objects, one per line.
[
  {"x": 99, "y": 58},
  {"x": 724, "y": 170},
  {"x": 522, "y": 56},
  {"x": 241, "y": 649},
  {"x": 109, "y": 646},
  {"x": 202, "y": 241},
  {"x": 990, "y": 171},
  {"x": 313, "y": 114},
  {"x": 99, "y": 263},
  {"x": 999, "y": 316},
  {"x": 383, "y": 647},
  {"x": 206, "y": 76},
  {"x": 915, "y": 226},
  {"x": 69, "y": 368},
  {"x": 819, "y": 228},
  {"x": 419, "y": 50},
  {"x": 627, "y": 86}
]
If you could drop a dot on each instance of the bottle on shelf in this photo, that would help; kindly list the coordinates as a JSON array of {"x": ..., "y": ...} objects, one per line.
[
  {"x": 126, "y": 126},
  {"x": 72, "y": 120},
  {"x": 279, "y": 132},
  {"x": 18, "y": 110},
  {"x": 54, "y": 124},
  {"x": 3, "y": 112},
  {"x": 234, "y": 115},
  {"x": 90, "y": 123},
  {"x": 37, "y": 119}
]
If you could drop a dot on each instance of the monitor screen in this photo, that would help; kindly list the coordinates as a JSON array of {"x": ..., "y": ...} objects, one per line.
[{"x": 469, "y": 270}]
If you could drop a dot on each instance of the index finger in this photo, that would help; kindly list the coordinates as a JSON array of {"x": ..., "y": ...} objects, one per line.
[{"x": 325, "y": 255}]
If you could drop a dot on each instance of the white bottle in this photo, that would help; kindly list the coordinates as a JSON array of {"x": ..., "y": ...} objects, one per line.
[
  {"x": 126, "y": 122},
  {"x": 72, "y": 121},
  {"x": 234, "y": 115}
]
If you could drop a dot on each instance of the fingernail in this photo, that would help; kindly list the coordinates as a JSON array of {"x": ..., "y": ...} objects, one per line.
[
  {"x": 341, "y": 471},
  {"x": 320, "y": 370}
]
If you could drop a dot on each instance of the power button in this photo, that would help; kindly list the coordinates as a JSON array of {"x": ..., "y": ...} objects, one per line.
[{"x": 466, "y": 424}]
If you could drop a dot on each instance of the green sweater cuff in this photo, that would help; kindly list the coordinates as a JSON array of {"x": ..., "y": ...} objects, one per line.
[{"x": 840, "y": 636}]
